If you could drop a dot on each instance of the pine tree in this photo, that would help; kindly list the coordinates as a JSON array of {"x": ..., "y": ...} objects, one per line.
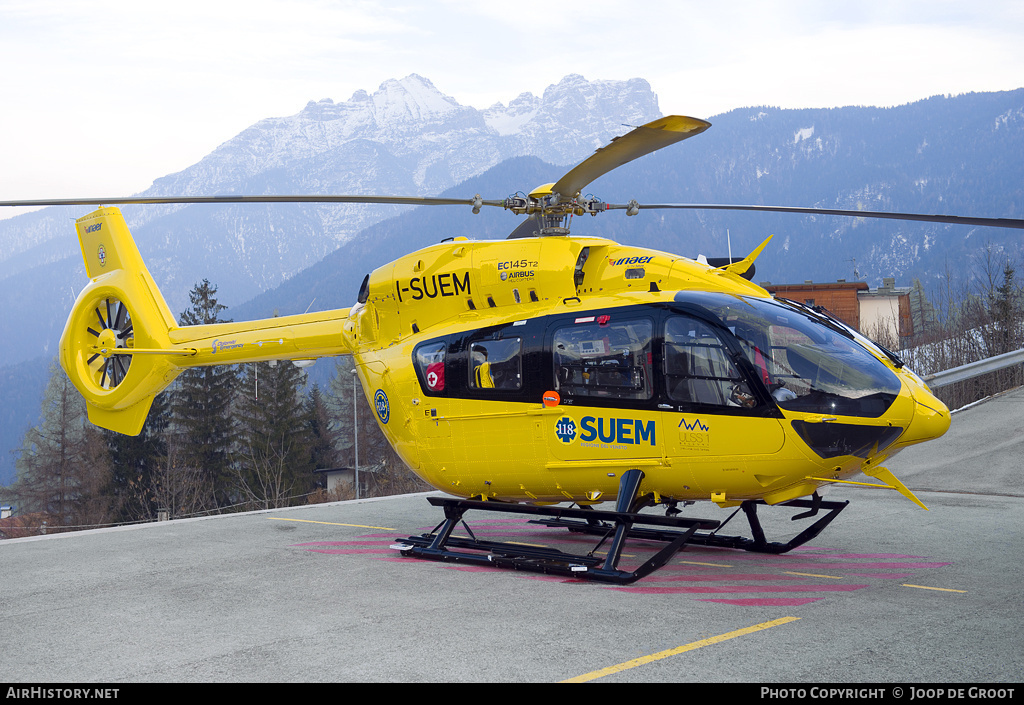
[
  {"x": 323, "y": 450},
  {"x": 274, "y": 464},
  {"x": 1005, "y": 312},
  {"x": 201, "y": 404},
  {"x": 62, "y": 467}
]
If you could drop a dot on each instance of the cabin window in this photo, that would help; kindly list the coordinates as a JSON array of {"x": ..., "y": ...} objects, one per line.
[
  {"x": 430, "y": 364},
  {"x": 496, "y": 364},
  {"x": 698, "y": 369},
  {"x": 604, "y": 358}
]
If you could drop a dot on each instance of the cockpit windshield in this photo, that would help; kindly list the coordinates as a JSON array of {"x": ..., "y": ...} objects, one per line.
[{"x": 807, "y": 363}]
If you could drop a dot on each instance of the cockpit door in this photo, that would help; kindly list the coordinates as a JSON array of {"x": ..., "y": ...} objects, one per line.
[{"x": 720, "y": 402}]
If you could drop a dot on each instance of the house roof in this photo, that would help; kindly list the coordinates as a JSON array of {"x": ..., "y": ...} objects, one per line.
[{"x": 17, "y": 527}]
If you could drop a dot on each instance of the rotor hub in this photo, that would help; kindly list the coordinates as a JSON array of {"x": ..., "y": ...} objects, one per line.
[{"x": 106, "y": 342}]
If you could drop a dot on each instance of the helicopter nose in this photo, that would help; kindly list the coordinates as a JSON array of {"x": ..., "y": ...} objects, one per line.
[{"x": 931, "y": 418}]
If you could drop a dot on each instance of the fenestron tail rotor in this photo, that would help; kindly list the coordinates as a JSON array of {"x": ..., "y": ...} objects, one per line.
[{"x": 111, "y": 329}]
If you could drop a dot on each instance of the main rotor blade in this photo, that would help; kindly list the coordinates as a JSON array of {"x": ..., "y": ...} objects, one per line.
[
  {"x": 937, "y": 218},
  {"x": 387, "y": 200},
  {"x": 642, "y": 140}
]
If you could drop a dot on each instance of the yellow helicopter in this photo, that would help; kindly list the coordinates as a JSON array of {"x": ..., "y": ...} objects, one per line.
[{"x": 523, "y": 374}]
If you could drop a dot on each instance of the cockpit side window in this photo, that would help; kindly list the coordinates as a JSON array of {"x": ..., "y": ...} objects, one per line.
[
  {"x": 806, "y": 363},
  {"x": 698, "y": 369}
]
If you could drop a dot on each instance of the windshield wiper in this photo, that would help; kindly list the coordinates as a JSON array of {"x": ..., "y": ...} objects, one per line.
[{"x": 823, "y": 316}]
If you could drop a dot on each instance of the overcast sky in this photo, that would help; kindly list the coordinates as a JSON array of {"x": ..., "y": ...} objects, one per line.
[{"x": 101, "y": 98}]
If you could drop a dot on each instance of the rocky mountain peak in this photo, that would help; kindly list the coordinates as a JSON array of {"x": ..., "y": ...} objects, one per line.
[{"x": 411, "y": 98}]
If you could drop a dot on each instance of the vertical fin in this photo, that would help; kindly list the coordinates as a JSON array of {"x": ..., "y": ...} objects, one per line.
[{"x": 886, "y": 476}]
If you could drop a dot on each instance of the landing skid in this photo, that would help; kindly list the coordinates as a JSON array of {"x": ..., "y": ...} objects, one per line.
[
  {"x": 757, "y": 544},
  {"x": 618, "y": 525}
]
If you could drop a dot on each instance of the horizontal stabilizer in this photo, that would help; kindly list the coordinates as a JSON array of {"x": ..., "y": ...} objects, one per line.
[
  {"x": 722, "y": 262},
  {"x": 746, "y": 264}
]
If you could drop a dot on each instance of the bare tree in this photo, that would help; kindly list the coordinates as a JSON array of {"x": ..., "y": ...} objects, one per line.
[
  {"x": 274, "y": 466},
  {"x": 179, "y": 486},
  {"x": 973, "y": 322},
  {"x": 382, "y": 471}
]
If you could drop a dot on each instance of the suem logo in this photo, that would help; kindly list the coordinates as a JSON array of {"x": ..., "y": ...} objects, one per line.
[{"x": 619, "y": 431}]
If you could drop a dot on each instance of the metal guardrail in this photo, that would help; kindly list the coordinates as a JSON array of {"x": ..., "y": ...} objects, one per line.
[{"x": 974, "y": 369}]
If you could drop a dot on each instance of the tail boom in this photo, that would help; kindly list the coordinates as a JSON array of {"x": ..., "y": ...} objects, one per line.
[{"x": 121, "y": 345}]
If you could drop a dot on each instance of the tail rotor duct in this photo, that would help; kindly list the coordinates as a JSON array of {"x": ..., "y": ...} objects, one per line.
[{"x": 110, "y": 329}]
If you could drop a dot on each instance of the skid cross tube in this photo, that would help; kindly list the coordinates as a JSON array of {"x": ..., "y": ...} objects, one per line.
[{"x": 441, "y": 545}]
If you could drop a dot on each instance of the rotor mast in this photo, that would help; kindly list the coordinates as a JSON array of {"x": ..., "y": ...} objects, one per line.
[{"x": 550, "y": 213}]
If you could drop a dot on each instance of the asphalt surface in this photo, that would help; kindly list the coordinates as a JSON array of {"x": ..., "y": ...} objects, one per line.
[{"x": 889, "y": 593}]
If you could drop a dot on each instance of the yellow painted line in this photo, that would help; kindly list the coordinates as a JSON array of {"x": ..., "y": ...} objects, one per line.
[
  {"x": 332, "y": 523},
  {"x": 713, "y": 565},
  {"x": 925, "y": 587},
  {"x": 528, "y": 545},
  {"x": 514, "y": 543},
  {"x": 814, "y": 575},
  {"x": 643, "y": 660}
]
